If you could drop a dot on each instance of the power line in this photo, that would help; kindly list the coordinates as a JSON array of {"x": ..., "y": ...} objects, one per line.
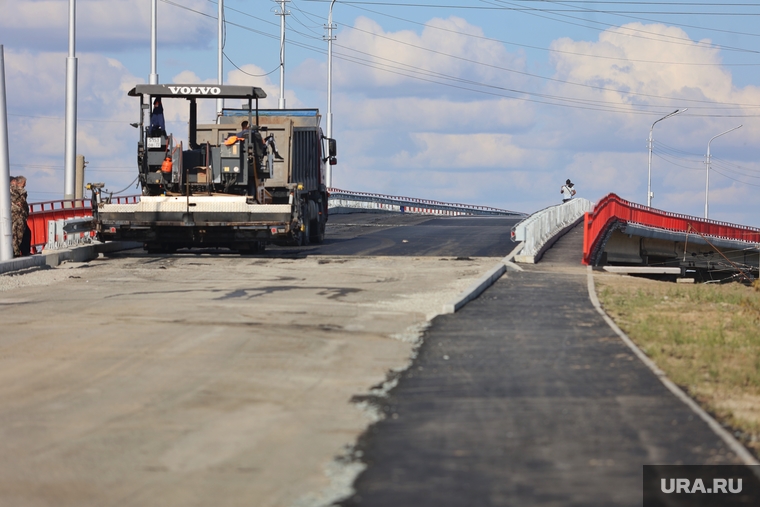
[
  {"x": 413, "y": 73},
  {"x": 633, "y": 32},
  {"x": 549, "y": 50}
]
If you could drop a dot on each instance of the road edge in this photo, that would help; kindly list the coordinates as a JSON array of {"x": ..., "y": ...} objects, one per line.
[{"x": 485, "y": 281}]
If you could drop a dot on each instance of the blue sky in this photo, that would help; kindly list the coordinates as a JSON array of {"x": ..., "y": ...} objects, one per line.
[{"x": 483, "y": 102}]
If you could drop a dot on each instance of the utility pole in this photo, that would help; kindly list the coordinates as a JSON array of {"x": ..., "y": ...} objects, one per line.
[
  {"x": 707, "y": 172},
  {"x": 69, "y": 179},
  {"x": 6, "y": 228},
  {"x": 153, "y": 43},
  {"x": 282, "y": 13},
  {"x": 330, "y": 39}
]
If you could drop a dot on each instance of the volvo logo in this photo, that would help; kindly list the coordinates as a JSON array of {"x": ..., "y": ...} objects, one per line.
[{"x": 195, "y": 90}]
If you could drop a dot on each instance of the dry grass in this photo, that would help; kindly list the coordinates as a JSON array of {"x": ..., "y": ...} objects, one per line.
[{"x": 705, "y": 337}]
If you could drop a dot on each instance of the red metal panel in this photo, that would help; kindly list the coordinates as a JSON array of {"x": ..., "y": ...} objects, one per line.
[{"x": 41, "y": 212}]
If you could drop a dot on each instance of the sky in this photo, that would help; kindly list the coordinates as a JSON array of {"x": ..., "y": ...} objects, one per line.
[{"x": 485, "y": 102}]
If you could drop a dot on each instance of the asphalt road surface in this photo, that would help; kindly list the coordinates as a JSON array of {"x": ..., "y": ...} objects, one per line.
[
  {"x": 524, "y": 398},
  {"x": 412, "y": 235}
]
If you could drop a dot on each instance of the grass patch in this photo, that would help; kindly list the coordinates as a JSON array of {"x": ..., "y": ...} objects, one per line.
[{"x": 705, "y": 337}]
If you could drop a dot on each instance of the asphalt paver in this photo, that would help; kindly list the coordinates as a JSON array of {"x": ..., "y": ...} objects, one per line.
[{"x": 527, "y": 397}]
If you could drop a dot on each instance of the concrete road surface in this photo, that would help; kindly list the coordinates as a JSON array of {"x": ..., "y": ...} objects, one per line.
[{"x": 204, "y": 379}]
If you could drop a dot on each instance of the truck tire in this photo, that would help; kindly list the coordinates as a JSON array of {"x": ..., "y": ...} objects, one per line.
[{"x": 317, "y": 231}]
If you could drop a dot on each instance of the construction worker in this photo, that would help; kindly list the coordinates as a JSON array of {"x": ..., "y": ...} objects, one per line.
[{"x": 19, "y": 216}]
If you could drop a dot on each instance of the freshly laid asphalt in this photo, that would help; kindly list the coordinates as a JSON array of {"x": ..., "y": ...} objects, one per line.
[{"x": 526, "y": 397}]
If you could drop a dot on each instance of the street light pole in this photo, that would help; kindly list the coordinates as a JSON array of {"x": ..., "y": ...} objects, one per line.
[
  {"x": 707, "y": 172},
  {"x": 220, "y": 57},
  {"x": 649, "y": 177},
  {"x": 153, "y": 41},
  {"x": 330, "y": 38},
  {"x": 282, "y": 13},
  {"x": 69, "y": 170},
  {"x": 6, "y": 223}
]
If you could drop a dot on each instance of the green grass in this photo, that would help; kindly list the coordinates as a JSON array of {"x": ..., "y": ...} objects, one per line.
[{"x": 705, "y": 337}]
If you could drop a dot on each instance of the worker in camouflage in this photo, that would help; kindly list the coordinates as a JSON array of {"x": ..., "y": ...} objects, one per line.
[{"x": 19, "y": 213}]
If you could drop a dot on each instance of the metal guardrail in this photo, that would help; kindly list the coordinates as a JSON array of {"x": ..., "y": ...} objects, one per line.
[
  {"x": 368, "y": 201},
  {"x": 538, "y": 231}
]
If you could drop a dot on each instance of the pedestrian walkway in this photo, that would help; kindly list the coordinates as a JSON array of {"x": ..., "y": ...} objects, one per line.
[{"x": 527, "y": 397}]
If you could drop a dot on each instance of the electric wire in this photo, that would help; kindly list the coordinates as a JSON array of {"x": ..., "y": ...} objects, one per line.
[
  {"x": 634, "y": 33},
  {"x": 562, "y": 81},
  {"x": 550, "y": 50},
  {"x": 732, "y": 32},
  {"x": 617, "y": 107}
]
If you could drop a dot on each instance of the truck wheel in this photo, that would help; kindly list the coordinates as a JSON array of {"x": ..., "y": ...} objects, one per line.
[{"x": 317, "y": 231}]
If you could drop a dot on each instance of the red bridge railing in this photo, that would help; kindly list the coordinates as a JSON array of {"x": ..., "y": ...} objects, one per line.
[
  {"x": 612, "y": 208},
  {"x": 42, "y": 212}
]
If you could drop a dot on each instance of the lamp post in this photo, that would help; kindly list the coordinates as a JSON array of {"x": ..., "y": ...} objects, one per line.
[
  {"x": 220, "y": 57},
  {"x": 69, "y": 174},
  {"x": 330, "y": 38},
  {"x": 707, "y": 172},
  {"x": 649, "y": 177},
  {"x": 282, "y": 13},
  {"x": 6, "y": 228},
  {"x": 153, "y": 41}
]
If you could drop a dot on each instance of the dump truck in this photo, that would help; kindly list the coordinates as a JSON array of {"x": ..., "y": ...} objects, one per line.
[{"x": 236, "y": 186}]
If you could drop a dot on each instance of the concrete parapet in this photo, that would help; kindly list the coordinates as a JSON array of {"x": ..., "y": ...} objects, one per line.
[{"x": 539, "y": 231}]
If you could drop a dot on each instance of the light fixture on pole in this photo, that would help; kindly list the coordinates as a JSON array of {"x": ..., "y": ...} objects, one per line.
[
  {"x": 649, "y": 177},
  {"x": 707, "y": 172},
  {"x": 330, "y": 38}
]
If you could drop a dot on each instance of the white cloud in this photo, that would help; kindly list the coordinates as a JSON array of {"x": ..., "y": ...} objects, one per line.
[
  {"x": 113, "y": 25},
  {"x": 384, "y": 61},
  {"x": 460, "y": 152},
  {"x": 35, "y": 85}
]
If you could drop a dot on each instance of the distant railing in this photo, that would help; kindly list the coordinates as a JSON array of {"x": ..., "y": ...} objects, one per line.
[
  {"x": 612, "y": 209},
  {"x": 369, "y": 201},
  {"x": 538, "y": 231}
]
